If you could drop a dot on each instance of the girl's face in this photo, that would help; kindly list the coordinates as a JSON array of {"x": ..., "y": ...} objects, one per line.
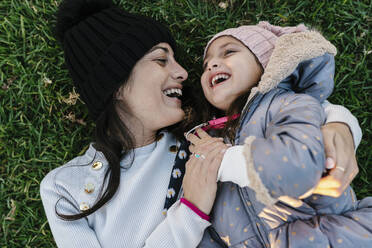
[
  {"x": 153, "y": 89},
  {"x": 230, "y": 70}
]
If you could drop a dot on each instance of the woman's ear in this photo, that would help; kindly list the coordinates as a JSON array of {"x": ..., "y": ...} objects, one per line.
[{"x": 119, "y": 93}]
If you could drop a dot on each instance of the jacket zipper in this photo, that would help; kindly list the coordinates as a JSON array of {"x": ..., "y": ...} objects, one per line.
[
  {"x": 255, "y": 222},
  {"x": 212, "y": 232},
  {"x": 243, "y": 114},
  {"x": 245, "y": 111},
  {"x": 216, "y": 237}
]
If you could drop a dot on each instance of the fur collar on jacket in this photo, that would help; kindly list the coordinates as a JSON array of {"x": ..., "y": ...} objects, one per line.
[{"x": 290, "y": 50}]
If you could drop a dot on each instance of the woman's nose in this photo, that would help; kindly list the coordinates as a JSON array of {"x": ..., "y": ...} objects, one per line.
[{"x": 180, "y": 73}]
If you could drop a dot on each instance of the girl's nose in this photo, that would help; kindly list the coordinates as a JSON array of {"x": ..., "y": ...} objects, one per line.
[{"x": 213, "y": 64}]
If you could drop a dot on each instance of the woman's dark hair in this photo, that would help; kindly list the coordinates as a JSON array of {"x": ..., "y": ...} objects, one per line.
[{"x": 114, "y": 140}]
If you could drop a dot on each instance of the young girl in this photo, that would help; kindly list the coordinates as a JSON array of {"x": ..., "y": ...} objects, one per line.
[{"x": 278, "y": 150}]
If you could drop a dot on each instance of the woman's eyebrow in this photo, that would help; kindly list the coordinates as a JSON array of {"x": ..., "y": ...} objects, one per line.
[{"x": 166, "y": 50}]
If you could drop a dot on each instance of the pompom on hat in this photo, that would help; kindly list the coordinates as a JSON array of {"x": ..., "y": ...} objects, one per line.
[
  {"x": 101, "y": 44},
  {"x": 260, "y": 38}
]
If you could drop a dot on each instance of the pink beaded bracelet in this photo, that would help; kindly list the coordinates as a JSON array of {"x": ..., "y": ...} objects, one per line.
[{"x": 195, "y": 209}]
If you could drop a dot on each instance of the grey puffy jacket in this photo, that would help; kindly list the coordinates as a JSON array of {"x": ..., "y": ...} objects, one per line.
[{"x": 284, "y": 152}]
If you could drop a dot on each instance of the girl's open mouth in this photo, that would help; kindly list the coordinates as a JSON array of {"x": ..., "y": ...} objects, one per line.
[{"x": 219, "y": 78}]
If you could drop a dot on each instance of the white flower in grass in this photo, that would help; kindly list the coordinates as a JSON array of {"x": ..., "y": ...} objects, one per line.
[
  {"x": 171, "y": 193},
  {"x": 223, "y": 5},
  {"x": 176, "y": 173},
  {"x": 182, "y": 154}
]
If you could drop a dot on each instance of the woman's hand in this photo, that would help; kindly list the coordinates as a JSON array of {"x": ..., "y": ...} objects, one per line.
[
  {"x": 339, "y": 150},
  {"x": 197, "y": 142},
  {"x": 200, "y": 181}
]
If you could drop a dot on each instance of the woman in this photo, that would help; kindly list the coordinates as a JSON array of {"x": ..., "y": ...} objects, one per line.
[
  {"x": 124, "y": 69},
  {"x": 115, "y": 194}
]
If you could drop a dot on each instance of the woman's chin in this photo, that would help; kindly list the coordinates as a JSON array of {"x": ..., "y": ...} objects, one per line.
[
  {"x": 178, "y": 116},
  {"x": 172, "y": 117}
]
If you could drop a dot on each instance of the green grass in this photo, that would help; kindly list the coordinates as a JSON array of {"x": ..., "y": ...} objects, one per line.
[{"x": 40, "y": 131}]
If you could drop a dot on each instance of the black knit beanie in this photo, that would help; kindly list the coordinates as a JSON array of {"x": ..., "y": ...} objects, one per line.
[{"x": 102, "y": 43}]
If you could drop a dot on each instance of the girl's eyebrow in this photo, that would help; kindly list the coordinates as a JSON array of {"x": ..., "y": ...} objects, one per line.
[
  {"x": 221, "y": 47},
  {"x": 228, "y": 43}
]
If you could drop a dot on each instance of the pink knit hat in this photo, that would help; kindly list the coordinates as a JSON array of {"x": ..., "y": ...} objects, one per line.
[{"x": 260, "y": 38}]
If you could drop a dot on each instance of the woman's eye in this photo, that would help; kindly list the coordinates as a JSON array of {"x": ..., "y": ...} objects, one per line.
[{"x": 162, "y": 61}]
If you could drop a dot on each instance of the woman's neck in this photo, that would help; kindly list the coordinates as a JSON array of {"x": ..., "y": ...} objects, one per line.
[
  {"x": 142, "y": 139},
  {"x": 142, "y": 135}
]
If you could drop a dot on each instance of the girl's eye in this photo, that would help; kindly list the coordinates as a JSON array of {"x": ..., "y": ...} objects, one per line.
[{"x": 227, "y": 52}]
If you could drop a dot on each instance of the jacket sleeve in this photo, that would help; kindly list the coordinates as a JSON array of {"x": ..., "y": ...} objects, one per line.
[
  {"x": 289, "y": 159},
  {"x": 66, "y": 233},
  {"x": 233, "y": 167},
  {"x": 314, "y": 77},
  {"x": 181, "y": 228}
]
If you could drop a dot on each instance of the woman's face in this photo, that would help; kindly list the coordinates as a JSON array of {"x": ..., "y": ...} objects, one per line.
[
  {"x": 230, "y": 70},
  {"x": 153, "y": 88}
]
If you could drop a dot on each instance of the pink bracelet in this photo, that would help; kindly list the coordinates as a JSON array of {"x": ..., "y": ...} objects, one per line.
[{"x": 195, "y": 209}]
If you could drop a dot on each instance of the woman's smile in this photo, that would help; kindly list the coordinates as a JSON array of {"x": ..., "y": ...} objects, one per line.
[
  {"x": 173, "y": 95},
  {"x": 154, "y": 89}
]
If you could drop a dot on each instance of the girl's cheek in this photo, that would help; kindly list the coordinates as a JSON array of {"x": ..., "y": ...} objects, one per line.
[{"x": 202, "y": 80}]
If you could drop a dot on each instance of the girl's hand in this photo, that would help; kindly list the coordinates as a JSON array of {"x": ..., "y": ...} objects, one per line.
[
  {"x": 200, "y": 180},
  {"x": 339, "y": 147}
]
